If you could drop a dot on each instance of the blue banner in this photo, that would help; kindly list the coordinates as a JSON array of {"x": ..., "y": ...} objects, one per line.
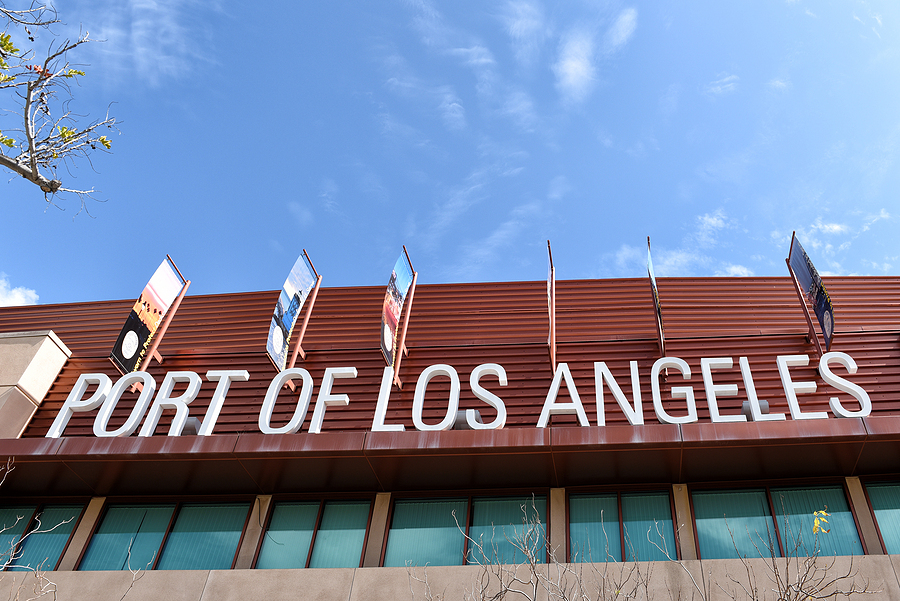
[{"x": 293, "y": 294}]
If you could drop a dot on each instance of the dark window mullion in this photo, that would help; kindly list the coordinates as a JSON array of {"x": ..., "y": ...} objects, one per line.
[
  {"x": 776, "y": 521},
  {"x": 621, "y": 527},
  {"x": 162, "y": 545},
  {"x": 466, "y": 537},
  {"x": 312, "y": 540}
]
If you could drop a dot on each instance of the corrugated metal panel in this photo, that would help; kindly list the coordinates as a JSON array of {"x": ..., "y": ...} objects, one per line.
[{"x": 465, "y": 325}]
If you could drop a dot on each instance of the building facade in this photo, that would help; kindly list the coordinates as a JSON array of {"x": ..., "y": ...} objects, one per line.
[{"x": 218, "y": 478}]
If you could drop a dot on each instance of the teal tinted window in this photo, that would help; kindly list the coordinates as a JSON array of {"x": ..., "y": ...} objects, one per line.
[
  {"x": 425, "y": 532},
  {"x": 13, "y": 521},
  {"x": 885, "y": 500},
  {"x": 339, "y": 540},
  {"x": 649, "y": 530},
  {"x": 500, "y": 524},
  {"x": 734, "y": 523},
  {"x": 286, "y": 543},
  {"x": 46, "y": 536},
  {"x": 594, "y": 528},
  {"x": 794, "y": 508},
  {"x": 204, "y": 537},
  {"x": 646, "y": 523},
  {"x": 129, "y": 537}
]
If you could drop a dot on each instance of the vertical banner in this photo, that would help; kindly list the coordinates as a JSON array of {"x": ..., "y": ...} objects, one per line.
[
  {"x": 293, "y": 294},
  {"x": 811, "y": 284},
  {"x": 660, "y": 331},
  {"x": 146, "y": 316},
  {"x": 398, "y": 286},
  {"x": 551, "y": 307}
]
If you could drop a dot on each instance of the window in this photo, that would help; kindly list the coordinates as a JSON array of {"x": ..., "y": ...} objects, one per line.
[
  {"x": 203, "y": 536},
  {"x": 885, "y": 499},
  {"x": 293, "y": 539},
  {"x": 647, "y": 533},
  {"x": 734, "y": 523},
  {"x": 739, "y": 523},
  {"x": 433, "y": 531},
  {"x": 35, "y": 536}
]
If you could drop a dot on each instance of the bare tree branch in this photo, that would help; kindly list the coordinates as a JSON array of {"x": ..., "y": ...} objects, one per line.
[{"x": 39, "y": 92}]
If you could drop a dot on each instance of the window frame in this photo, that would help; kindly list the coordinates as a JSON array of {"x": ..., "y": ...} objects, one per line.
[
  {"x": 468, "y": 496},
  {"x": 768, "y": 485},
  {"x": 322, "y": 499},
  {"x": 618, "y": 491},
  {"x": 178, "y": 502},
  {"x": 41, "y": 504}
]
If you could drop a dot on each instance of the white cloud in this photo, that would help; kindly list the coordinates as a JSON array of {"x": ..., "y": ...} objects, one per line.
[
  {"x": 452, "y": 111},
  {"x": 526, "y": 27},
  {"x": 475, "y": 56},
  {"x": 621, "y": 31},
  {"x": 708, "y": 226},
  {"x": 520, "y": 108},
  {"x": 736, "y": 271},
  {"x": 724, "y": 85},
  {"x": 779, "y": 84},
  {"x": 575, "y": 72},
  {"x": 829, "y": 228},
  {"x": 157, "y": 39},
  {"x": 10, "y": 297}
]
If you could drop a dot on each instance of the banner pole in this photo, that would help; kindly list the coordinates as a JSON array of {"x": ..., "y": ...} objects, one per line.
[
  {"x": 813, "y": 337},
  {"x": 657, "y": 310},
  {"x": 552, "y": 308}
]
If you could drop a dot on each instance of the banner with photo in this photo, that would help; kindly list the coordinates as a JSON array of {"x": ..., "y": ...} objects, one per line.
[
  {"x": 146, "y": 316},
  {"x": 394, "y": 297},
  {"x": 293, "y": 294},
  {"x": 811, "y": 285}
]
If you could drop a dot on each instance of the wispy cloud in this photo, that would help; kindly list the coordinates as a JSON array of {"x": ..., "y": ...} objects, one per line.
[
  {"x": 328, "y": 193},
  {"x": 726, "y": 84},
  {"x": 735, "y": 271},
  {"x": 487, "y": 251},
  {"x": 156, "y": 39},
  {"x": 575, "y": 67},
  {"x": 692, "y": 256},
  {"x": 11, "y": 297},
  {"x": 520, "y": 108},
  {"x": 621, "y": 30},
  {"x": 441, "y": 99},
  {"x": 708, "y": 227},
  {"x": 526, "y": 26},
  {"x": 575, "y": 72}
]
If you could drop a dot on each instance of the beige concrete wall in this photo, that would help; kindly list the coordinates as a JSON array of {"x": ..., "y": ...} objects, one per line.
[
  {"x": 684, "y": 528},
  {"x": 29, "y": 364},
  {"x": 710, "y": 579},
  {"x": 377, "y": 530},
  {"x": 557, "y": 535},
  {"x": 253, "y": 532},
  {"x": 864, "y": 517}
]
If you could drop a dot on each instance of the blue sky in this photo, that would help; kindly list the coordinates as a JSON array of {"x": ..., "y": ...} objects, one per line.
[{"x": 472, "y": 132}]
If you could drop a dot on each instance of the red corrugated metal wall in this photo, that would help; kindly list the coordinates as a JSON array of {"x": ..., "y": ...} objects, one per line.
[{"x": 465, "y": 325}]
